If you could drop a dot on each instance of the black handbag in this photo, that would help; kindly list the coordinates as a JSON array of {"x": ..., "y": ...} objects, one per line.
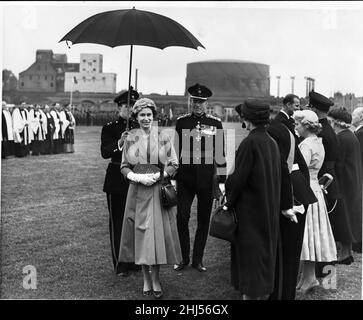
[
  {"x": 223, "y": 224},
  {"x": 168, "y": 193}
]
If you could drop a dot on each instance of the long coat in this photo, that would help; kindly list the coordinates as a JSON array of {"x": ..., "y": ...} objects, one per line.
[
  {"x": 253, "y": 189},
  {"x": 149, "y": 232},
  {"x": 349, "y": 173}
]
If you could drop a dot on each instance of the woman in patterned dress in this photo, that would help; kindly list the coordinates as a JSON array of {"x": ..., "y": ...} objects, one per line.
[{"x": 318, "y": 243}]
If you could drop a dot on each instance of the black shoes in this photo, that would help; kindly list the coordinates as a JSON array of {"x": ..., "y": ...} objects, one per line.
[
  {"x": 180, "y": 266},
  {"x": 199, "y": 267},
  {"x": 347, "y": 261}
]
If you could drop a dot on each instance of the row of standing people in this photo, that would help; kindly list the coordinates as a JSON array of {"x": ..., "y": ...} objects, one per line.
[
  {"x": 270, "y": 180},
  {"x": 28, "y": 129}
]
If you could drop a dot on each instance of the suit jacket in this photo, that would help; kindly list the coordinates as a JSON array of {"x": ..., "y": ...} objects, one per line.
[
  {"x": 111, "y": 133},
  {"x": 300, "y": 179},
  {"x": 281, "y": 135}
]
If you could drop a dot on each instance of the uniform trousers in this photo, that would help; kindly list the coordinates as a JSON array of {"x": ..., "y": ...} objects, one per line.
[
  {"x": 116, "y": 206},
  {"x": 186, "y": 194}
]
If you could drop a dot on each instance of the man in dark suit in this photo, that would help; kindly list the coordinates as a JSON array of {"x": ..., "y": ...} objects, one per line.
[
  {"x": 295, "y": 190},
  {"x": 116, "y": 186},
  {"x": 200, "y": 143},
  {"x": 357, "y": 121},
  {"x": 321, "y": 105}
]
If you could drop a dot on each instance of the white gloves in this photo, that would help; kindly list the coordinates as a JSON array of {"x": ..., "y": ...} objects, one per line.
[
  {"x": 145, "y": 179},
  {"x": 289, "y": 214}
]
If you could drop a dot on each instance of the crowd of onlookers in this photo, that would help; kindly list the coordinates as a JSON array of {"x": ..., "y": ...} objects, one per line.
[{"x": 36, "y": 130}]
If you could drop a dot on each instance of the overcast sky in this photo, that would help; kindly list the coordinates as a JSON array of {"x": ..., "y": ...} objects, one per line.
[{"x": 323, "y": 40}]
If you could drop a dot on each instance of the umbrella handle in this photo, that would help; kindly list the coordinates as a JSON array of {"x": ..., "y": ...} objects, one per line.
[{"x": 129, "y": 91}]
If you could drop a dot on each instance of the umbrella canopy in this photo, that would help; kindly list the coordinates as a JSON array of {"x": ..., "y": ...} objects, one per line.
[{"x": 132, "y": 27}]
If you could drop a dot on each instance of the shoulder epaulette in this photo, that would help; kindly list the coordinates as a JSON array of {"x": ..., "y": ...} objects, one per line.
[
  {"x": 183, "y": 116},
  {"x": 213, "y": 117}
]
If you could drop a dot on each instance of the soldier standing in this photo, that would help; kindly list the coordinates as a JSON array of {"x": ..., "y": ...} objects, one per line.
[
  {"x": 115, "y": 185},
  {"x": 201, "y": 155}
]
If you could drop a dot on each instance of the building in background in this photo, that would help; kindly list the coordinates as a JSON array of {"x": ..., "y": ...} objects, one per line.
[
  {"x": 90, "y": 77},
  {"x": 46, "y": 74}
]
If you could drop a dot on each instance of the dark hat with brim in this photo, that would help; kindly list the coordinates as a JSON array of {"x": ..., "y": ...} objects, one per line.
[
  {"x": 319, "y": 101},
  {"x": 122, "y": 98},
  {"x": 258, "y": 112},
  {"x": 199, "y": 92}
]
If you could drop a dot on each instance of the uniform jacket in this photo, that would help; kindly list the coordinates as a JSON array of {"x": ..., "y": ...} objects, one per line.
[
  {"x": 111, "y": 133},
  {"x": 200, "y": 144}
]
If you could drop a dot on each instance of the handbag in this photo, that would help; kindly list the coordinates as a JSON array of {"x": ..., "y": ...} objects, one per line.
[
  {"x": 168, "y": 193},
  {"x": 223, "y": 224}
]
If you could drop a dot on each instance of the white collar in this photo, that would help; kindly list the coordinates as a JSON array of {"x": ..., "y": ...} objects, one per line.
[{"x": 288, "y": 117}]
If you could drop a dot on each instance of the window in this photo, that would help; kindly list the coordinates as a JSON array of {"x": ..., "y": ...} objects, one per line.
[
  {"x": 94, "y": 69},
  {"x": 94, "y": 61},
  {"x": 51, "y": 84},
  {"x": 89, "y": 63},
  {"x": 22, "y": 84},
  {"x": 84, "y": 69},
  {"x": 30, "y": 78},
  {"x": 84, "y": 60},
  {"x": 45, "y": 77},
  {"x": 93, "y": 79}
]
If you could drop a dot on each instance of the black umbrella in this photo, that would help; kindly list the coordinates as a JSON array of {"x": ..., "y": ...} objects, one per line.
[{"x": 132, "y": 27}]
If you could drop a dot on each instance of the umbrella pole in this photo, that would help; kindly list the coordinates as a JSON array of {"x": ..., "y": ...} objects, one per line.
[{"x": 129, "y": 91}]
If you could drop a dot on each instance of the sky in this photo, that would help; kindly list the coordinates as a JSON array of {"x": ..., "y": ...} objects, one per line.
[{"x": 322, "y": 40}]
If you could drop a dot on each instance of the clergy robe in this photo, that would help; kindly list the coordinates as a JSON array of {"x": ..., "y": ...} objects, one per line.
[
  {"x": 48, "y": 143},
  {"x": 21, "y": 132},
  {"x": 57, "y": 132},
  {"x": 7, "y": 143},
  {"x": 253, "y": 190}
]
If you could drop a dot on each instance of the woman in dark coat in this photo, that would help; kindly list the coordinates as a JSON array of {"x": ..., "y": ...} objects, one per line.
[
  {"x": 253, "y": 190},
  {"x": 349, "y": 175}
]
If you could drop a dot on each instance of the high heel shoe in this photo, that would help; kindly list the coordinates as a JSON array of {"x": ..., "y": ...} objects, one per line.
[
  {"x": 147, "y": 293},
  {"x": 158, "y": 294}
]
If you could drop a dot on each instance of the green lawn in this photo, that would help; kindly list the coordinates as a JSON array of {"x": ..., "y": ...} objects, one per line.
[{"x": 54, "y": 217}]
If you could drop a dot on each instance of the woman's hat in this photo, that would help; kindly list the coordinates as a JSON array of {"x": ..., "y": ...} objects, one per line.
[
  {"x": 258, "y": 112},
  {"x": 142, "y": 104}
]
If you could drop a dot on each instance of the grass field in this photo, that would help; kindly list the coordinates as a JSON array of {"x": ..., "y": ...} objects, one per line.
[{"x": 54, "y": 216}]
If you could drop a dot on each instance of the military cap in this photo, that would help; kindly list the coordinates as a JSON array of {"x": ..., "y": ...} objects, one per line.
[
  {"x": 122, "y": 98},
  {"x": 319, "y": 101},
  {"x": 200, "y": 92},
  {"x": 258, "y": 112}
]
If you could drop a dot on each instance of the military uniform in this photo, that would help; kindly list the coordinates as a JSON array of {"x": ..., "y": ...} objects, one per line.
[
  {"x": 200, "y": 142},
  {"x": 115, "y": 185}
]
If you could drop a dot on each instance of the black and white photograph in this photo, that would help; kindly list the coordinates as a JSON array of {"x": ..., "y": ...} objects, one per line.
[{"x": 158, "y": 151}]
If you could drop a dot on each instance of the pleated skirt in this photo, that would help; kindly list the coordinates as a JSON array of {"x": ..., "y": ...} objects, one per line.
[
  {"x": 319, "y": 243},
  {"x": 149, "y": 233}
]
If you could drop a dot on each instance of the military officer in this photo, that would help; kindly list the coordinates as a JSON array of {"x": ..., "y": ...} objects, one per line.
[
  {"x": 115, "y": 185},
  {"x": 200, "y": 142}
]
